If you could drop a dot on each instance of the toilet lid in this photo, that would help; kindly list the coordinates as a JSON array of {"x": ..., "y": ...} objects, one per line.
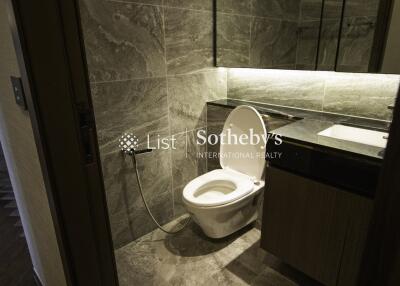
[{"x": 243, "y": 141}]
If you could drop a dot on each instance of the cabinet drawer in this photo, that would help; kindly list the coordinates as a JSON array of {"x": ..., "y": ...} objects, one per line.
[
  {"x": 316, "y": 228},
  {"x": 304, "y": 224}
]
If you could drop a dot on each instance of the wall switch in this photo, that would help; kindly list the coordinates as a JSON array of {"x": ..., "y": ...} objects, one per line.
[{"x": 18, "y": 89}]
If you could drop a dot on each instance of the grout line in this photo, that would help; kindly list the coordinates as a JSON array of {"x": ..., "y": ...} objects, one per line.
[
  {"x": 312, "y": 110},
  {"x": 197, "y": 10},
  {"x": 134, "y": 2},
  {"x": 188, "y": 9},
  {"x": 208, "y": 70},
  {"x": 256, "y": 16},
  {"x": 160, "y": 5},
  {"x": 207, "y": 135},
  {"x": 250, "y": 34},
  {"x": 126, "y": 79},
  {"x": 168, "y": 111},
  {"x": 189, "y": 131}
]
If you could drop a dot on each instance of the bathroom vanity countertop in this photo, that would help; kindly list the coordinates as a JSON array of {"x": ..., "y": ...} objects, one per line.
[
  {"x": 306, "y": 131},
  {"x": 307, "y": 124}
]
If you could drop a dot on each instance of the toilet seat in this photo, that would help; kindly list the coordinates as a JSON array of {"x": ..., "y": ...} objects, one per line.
[
  {"x": 218, "y": 187},
  {"x": 225, "y": 200}
]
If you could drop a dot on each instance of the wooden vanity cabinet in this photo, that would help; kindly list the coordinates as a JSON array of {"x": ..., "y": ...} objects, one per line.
[{"x": 318, "y": 229}]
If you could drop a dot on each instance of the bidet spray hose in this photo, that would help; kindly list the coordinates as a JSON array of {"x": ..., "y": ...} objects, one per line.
[{"x": 133, "y": 155}]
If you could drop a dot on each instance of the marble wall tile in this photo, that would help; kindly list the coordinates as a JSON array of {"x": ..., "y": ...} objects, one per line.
[
  {"x": 352, "y": 68},
  {"x": 190, "y": 4},
  {"x": 189, "y": 40},
  {"x": 310, "y": 10},
  {"x": 161, "y": 207},
  {"x": 307, "y": 44},
  {"x": 328, "y": 44},
  {"x": 361, "y": 94},
  {"x": 123, "y": 40},
  {"x": 304, "y": 89},
  {"x": 240, "y": 7},
  {"x": 361, "y": 8},
  {"x": 356, "y": 42},
  {"x": 277, "y": 9},
  {"x": 333, "y": 9},
  {"x": 233, "y": 40},
  {"x": 188, "y": 95},
  {"x": 272, "y": 44},
  {"x": 128, "y": 217},
  {"x": 136, "y": 106},
  {"x": 216, "y": 116},
  {"x": 188, "y": 162}
]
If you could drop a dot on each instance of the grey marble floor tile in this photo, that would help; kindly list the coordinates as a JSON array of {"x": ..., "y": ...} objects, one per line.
[
  {"x": 123, "y": 40},
  {"x": 189, "y": 40},
  {"x": 188, "y": 94},
  {"x": 136, "y": 106},
  {"x": 233, "y": 40},
  {"x": 190, "y": 258},
  {"x": 187, "y": 164},
  {"x": 298, "y": 89},
  {"x": 272, "y": 43},
  {"x": 361, "y": 94},
  {"x": 277, "y": 9},
  {"x": 239, "y": 7},
  {"x": 190, "y": 4}
]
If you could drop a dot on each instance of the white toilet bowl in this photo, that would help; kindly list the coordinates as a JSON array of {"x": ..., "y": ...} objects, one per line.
[{"x": 225, "y": 200}]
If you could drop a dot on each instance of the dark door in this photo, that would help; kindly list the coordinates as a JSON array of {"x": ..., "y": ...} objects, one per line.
[
  {"x": 381, "y": 263},
  {"x": 48, "y": 42}
]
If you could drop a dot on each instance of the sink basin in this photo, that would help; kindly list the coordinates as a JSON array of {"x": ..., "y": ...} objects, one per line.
[{"x": 355, "y": 134}]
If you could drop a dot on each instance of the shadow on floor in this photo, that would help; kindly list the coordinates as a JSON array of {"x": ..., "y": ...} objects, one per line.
[
  {"x": 269, "y": 270},
  {"x": 193, "y": 242}
]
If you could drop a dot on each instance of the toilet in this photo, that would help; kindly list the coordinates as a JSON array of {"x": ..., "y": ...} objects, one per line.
[{"x": 225, "y": 200}]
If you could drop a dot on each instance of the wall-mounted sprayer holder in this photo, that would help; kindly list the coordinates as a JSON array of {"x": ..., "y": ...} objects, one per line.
[
  {"x": 131, "y": 151},
  {"x": 129, "y": 143}
]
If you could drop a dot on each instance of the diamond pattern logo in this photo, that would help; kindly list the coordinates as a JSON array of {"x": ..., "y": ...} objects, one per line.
[{"x": 128, "y": 142}]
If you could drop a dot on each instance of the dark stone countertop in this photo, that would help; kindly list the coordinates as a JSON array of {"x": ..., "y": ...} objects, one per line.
[{"x": 307, "y": 124}]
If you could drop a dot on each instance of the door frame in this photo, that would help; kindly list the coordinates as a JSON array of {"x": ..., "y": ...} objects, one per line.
[
  {"x": 381, "y": 259},
  {"x": 49, "y": 46}
]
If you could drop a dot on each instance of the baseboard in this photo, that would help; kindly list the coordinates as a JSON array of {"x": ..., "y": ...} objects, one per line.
[{"x": 37, "y": 279}]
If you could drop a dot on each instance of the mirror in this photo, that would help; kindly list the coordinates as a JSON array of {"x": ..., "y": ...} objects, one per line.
[{"x": 328, "y": 35}]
